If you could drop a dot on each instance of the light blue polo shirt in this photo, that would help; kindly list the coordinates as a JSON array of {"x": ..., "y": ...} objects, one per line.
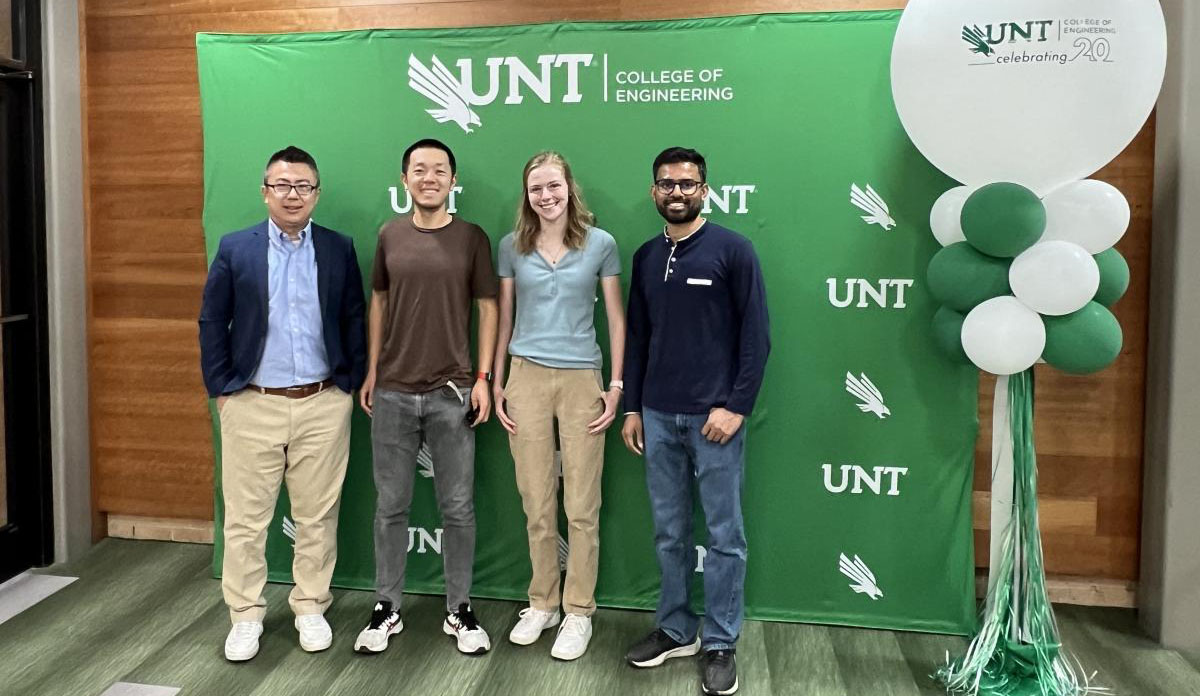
[{"x": 556, "y": 305}]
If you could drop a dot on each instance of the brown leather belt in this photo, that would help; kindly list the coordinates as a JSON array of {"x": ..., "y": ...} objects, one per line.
[{"x": 299, "y": 391}]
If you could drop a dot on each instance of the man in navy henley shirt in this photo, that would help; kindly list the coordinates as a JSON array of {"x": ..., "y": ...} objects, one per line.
[{"x": 696, "y": 346}]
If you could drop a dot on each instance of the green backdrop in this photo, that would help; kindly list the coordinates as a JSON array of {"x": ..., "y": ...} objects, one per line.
[{"x": 859, "y": 458}]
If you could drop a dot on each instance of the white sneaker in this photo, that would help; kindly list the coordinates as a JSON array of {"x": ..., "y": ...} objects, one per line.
[
  {"x": 471, "y": 637},
  {"x": 573, "y": 637},
  {"x": 242, "y": 642},
  {"x": 384, "y": 624},
  {"x": 532, "y": 623},
  {"x": 315, "y": 633}
]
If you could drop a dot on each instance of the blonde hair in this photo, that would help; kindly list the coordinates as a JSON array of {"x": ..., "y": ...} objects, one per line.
[{"x": 579, "y": 218}]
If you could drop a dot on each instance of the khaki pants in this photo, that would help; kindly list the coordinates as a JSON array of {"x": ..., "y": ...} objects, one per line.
[
  {"x": 265, "y": 440},
  {"x": 535, "y": 396}
]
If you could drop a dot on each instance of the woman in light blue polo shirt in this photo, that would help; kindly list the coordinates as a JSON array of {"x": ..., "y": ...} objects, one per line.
[{"x": 551, "y": 266}]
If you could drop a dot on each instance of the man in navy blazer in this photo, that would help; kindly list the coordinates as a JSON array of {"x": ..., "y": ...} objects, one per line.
[{"x": 282, "y": 346}]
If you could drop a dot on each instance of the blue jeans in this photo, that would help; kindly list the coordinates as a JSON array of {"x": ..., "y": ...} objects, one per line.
[{"x": 677, "y": 454}]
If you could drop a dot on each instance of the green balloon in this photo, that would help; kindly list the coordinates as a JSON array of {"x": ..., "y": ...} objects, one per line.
[
  {"x": 947, "y": 334},
  {"x": 1003, "y": 219},
  {"x": 1114, "y": 277},
  {"x": 960, "y": 277},
  {"x": 1083, "y": 342}
]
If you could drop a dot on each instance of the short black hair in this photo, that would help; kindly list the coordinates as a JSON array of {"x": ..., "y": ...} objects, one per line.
[
  {"x": 675, "y": 155},
  {"x": 294, "y": 155},
  {"x": 428, "y": 142}
]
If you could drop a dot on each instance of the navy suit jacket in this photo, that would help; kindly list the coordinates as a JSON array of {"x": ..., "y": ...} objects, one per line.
[{"x": 233, "y": 313}]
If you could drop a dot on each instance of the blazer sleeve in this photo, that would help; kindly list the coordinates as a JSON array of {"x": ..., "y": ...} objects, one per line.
[
  {"x": 354, "y": 335},
  {"x": 216, "y": 313}
]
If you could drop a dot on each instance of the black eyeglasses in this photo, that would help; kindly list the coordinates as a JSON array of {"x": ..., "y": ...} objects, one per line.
[
  {"x": 282, "y": 189},
  {"x": 686, "y": 186}
]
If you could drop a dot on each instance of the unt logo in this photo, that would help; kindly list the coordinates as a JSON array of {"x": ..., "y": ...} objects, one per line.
[
  {"x": 888, "y": 293},
  {"x": 982, "y": 39},
  {"x": 454, "y": 96},
  {"x": 862, "y": 580},
  {"x": 880, "y": 480},
  {"x": 729, "y": 198},
  {"x": 424, "y": 541}
]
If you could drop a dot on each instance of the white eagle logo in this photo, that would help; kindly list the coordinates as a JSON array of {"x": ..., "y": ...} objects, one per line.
[
  {"x": 443, "y": 89},
  {"x": 865, "y": 390},
  {"x": 425, "y": 461},
  {"x": 862, "y": 579},
  {"x": 563, "y": 552},
  {"x": 873, "y": 204},
  {"x": 289, "y": 529}
]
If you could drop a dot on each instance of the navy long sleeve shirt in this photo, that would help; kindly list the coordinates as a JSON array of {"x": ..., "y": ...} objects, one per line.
[{"x": 697, "y": 335}]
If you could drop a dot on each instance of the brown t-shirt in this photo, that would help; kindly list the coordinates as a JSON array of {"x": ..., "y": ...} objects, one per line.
[{"x": 430, "y": 277}]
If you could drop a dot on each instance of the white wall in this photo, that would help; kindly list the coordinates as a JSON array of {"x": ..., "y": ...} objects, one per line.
[
  {"x": 1170, "y": 580},
  {"x": 66, "y": 287}
]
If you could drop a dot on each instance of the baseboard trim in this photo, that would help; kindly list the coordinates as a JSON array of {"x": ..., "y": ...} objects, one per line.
[{"x": 160, "y": 529}]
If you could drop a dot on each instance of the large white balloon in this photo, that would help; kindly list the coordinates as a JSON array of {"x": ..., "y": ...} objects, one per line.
[
  {"x": 1054, "y": 278},
  {"x": 1003, "y": 336},
  {"x": 1090, "y": 213},
  {"x": 945, "y": 219},
  {"x": 1036, "y": 92}
]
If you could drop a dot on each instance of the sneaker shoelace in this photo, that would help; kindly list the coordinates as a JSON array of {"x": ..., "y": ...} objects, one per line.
[
  {"x": 719, "y": 658},
  {"x": 244, "y": 629},
  {"x": 574, "y": 624},
  {"x": 466, "y": 617},
  {"x": 379, "y": 616}
]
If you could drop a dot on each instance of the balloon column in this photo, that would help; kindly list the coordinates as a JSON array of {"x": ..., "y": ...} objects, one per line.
[
  {"x": 1023, "y": 279},
  {"x": 1021, "y": 101}
]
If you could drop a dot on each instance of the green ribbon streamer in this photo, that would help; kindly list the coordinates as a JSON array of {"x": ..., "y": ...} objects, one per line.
[{"x": 1017, "y": 651}]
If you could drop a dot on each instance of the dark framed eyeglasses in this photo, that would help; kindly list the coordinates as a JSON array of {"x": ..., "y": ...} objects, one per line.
[
  {"x": 686, "y": 186},
  {"x": 282, "y": 189}
]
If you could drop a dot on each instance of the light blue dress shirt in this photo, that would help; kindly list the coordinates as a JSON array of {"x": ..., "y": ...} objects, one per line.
[
  {"x": 556, "y": 304},
  {"x": 295, "y": 349}
]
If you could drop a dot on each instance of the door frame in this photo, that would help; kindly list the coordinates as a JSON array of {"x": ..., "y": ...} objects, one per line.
[{"x": 27, "y": 540}]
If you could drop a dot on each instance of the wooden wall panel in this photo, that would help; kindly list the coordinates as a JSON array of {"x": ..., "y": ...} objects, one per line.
[{"x": 151, "y": 437}]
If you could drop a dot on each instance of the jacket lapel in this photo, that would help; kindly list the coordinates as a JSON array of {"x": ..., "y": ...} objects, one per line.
[
  {"x": 322, "y": 251},
  {"x": 261, "y": 268}
]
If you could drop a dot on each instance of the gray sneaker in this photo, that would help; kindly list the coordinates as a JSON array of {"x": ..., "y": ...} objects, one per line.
[
  {"x": 657, "y": 648},
  {"x": 720, "y": 672}
]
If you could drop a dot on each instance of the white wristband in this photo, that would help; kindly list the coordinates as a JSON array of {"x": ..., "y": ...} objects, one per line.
[{"x": 617, "y": 384}]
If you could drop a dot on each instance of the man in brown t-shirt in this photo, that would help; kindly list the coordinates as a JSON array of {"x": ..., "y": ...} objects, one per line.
[{"x": 420, "y": 387}]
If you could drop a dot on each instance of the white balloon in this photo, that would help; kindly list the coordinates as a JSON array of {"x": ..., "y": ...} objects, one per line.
[
  {"x": 1003, "y": 336},
  {"x": 1036, "y": 92},
  {"x": 1054, "y": 278},
  {"x": 1090, "y": 213},
  {"x": 945, "y": 219}
]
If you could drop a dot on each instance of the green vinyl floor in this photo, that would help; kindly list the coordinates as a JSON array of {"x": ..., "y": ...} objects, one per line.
[{"x": 148, "y": 613}]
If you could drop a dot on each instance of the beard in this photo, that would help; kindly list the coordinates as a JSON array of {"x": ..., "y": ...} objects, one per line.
[{"x": 678, "y": 217}]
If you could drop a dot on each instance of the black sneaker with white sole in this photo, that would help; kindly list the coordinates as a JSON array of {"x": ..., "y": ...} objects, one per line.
[
  {"x": 385, "y": 623},
  {"x": 465, "y": 628},
  {"x": 658, "y": 647},
  {"x": 720, "y": 672}
]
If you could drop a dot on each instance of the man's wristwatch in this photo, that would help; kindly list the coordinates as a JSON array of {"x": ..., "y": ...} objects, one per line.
[
  {"x": 617, "y": 384},
  {"x": 485, "y": 376}
]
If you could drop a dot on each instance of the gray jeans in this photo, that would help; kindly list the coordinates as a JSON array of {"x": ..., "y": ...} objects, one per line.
[{"x": 400, "y": 422}]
